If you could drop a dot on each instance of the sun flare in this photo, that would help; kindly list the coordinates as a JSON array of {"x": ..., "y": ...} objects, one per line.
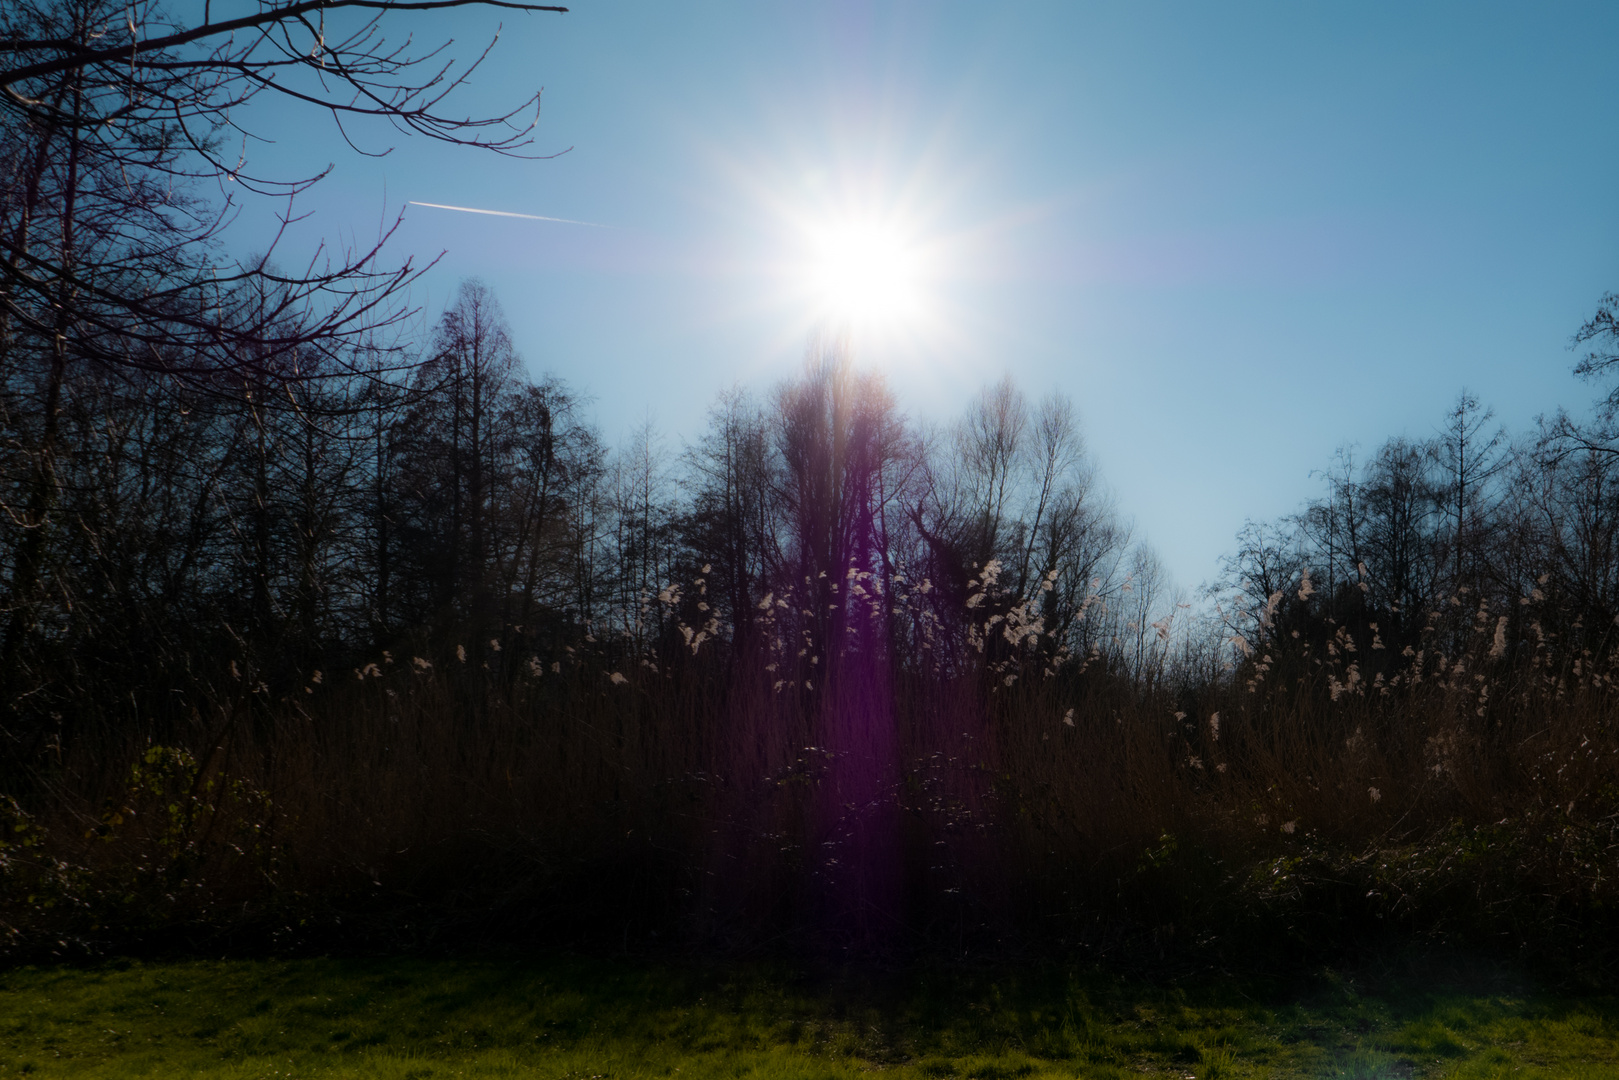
[{"x": 864, "y": 273}]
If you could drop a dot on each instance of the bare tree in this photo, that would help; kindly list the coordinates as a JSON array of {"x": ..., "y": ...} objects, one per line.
[
  {"x": 111, "y": 117},
  {"x": 1057, "y": 453},
  {"x": 1601, "y": 332},
  {"x": 1469, "y": 456},
  {"x": 643, "y": 512},
  {"x": 732, "y": 521},
  {"x": 459, "y": 433},
  {"x": 990, "y": 451}
]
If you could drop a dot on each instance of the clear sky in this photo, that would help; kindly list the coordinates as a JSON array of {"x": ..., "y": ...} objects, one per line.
[{"x": 1237, "y": 235}]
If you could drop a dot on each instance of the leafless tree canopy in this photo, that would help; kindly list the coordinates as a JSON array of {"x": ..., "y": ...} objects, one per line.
[{"x": 126, "y": 137}]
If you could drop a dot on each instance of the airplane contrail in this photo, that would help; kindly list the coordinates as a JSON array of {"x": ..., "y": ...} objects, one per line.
[{"x": 508, "y": 213}]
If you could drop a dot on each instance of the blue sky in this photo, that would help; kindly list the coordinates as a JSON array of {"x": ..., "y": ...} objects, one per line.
[{"x": 1237, "y": 235}]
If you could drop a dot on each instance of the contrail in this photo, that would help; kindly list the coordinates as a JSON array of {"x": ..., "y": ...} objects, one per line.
[{"x": 508, "y": 213}]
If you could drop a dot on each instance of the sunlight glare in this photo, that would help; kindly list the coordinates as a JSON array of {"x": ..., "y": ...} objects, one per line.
[{"x": 864, "y": 273}]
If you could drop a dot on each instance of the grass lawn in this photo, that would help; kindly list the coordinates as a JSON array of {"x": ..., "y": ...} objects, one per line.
[{"x": 419, "y": 1018}]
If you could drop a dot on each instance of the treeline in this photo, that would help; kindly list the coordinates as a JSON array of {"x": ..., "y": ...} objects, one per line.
[
  {"x": 275, "y": 528},
  {"x": 404, "y": 657},
  {"x": 1523, "y": 530}
]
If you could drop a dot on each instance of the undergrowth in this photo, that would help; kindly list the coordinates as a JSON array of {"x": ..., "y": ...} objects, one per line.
[{"x": 1325, "y": 795}]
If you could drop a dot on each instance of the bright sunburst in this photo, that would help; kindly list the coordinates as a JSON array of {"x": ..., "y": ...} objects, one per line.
[
  {"x": 872, "y": 255},
  {"x": 864, "y": 273}
]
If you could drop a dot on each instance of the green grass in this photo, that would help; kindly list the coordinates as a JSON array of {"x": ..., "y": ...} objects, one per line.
[{"x": 560, "y": 1019}]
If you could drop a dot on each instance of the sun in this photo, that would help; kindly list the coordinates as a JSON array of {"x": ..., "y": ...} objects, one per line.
[{"x": 864, "y": 273}]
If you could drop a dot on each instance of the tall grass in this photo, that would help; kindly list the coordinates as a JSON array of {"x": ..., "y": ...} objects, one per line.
[{"x": 1325, "y": 790}]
